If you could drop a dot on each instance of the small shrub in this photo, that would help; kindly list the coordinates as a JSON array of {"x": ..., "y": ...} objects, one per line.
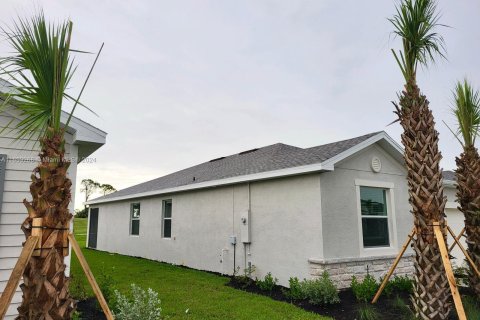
[
  {"x": 107, "y": 285},
  {"x": 402, "y": 284},
  {"x": 461, "y": 275},
  {"x": 244, "y": 280},
  {"x": 268, "y": 282},
  {"x": 399, "y": 284},
  {"x": 140, "y": 305},
  {"x": 365, "y": 290},
  {"x": 320, "y": 291},
  {"x": 472, "y": 307},
  {"x": 295, "y": 292},
  {"x": 368, "y": 312},
  {"x": 77, "y": 288},
  {"x": 76, "y": 316}
]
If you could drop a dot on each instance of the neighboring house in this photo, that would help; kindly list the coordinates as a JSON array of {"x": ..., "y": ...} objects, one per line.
[
  {"x": 341, "y": 207},
  {"x": 17, "y": 160}
]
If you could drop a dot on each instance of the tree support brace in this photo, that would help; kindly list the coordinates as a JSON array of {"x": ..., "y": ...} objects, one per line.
[
  {"x": 29, "y": 248},
  {"x": 446, "y": 264}
]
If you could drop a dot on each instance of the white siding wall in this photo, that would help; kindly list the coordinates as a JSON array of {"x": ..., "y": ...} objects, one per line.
[
  {"x": 13, "y": 212},
  {"x": 456, "y": 221}
]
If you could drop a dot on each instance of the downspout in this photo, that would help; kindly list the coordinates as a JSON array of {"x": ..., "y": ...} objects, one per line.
[{"x": 247, "y": 244}]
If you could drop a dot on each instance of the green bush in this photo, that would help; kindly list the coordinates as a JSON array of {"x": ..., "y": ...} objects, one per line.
[
  {"x": 107, "y": 285},
  {"x": 368, "y": 312},
  {"x": 139, "y": 305},
  {"x": 365, "y": 290},
  {"x": 295, "y": 292},
  {"x": 402, "y": 284},
  {"x": 77, "y": 288},
  {"x": 320, "y": 291},
  {"x": 244, "y": 280},
  {"x": 461, "y": 275},
  {"x": 268, "y": 282}
]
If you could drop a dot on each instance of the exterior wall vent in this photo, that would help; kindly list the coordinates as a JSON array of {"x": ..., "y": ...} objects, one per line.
[{"x": 376, "y": 164}]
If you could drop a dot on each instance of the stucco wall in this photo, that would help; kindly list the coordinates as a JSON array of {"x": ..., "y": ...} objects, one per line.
[
  {"x": 285, "y": 227},
  {"x": 340, "y": 205},
  {"x": 294, "y": 220}
]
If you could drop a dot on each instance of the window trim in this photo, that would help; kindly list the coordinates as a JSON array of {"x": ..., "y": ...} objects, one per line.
[
  {"x": 131, "y": 218},
  {"x": 391, "y": 217},
  {"x": 163, "y": 218}
]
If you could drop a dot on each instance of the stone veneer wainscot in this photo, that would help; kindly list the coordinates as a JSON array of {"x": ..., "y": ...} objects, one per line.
[{"x": 342, "y": 270}]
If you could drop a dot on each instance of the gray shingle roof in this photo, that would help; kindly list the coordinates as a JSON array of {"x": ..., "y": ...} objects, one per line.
[
  {"x": 449, "y": 175},
  {"x": 274, "y": 157}
]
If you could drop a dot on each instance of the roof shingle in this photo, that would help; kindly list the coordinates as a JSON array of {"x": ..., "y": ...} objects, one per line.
[{"x": 274, "y": 157}]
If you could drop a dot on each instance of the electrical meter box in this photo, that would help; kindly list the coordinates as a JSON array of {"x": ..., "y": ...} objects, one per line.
[{"x": 245, "y": 226}]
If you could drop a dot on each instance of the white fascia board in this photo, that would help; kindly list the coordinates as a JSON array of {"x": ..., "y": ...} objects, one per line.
[
  {"x": 362, "y": 145},
  {"x": 222, "y": 182},
  {"x": 84, "y": 132}
]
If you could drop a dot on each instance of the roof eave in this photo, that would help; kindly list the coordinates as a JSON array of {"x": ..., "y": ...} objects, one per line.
[
  {"x": 327, "y": 165},
  {"x": 318, "y": 167}
]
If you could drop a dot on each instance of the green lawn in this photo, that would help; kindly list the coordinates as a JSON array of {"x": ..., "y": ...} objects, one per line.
[{"x": 204, "y": 295}]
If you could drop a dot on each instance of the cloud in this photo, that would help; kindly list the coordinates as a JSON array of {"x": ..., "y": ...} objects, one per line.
[{"x": 182, "y": 82}]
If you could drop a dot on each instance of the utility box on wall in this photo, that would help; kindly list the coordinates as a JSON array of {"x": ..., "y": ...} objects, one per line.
[{"x": 245, "y": 226}]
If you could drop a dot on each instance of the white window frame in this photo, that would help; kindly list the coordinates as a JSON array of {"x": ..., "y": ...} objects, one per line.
[
  {"x": 132, "y": 218},
  {"x": 392, "y": 225},
  {"x": 170, "y": 218}
]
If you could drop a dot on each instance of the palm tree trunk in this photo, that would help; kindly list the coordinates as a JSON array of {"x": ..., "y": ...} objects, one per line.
[
  {"x": 468, "y": 195},
  {"x": 422, "y": 158},
  {"x": 45, "y": 288}
]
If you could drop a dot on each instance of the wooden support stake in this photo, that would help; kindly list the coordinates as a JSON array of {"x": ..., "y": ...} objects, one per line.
[
  {"x": 464, "y": 252},
  {"x": 394, "y": 266},
  {"x": 448, "y": 269},
  {"x": 37, "y": 231},
  {"x": 16, "y": 275},
  {"x": 90, "y": 277},
  {"x": 65, "y": 243},
  {"x": 456, "y": 239}
]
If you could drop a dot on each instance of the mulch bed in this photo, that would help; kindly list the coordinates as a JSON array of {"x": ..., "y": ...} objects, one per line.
[
  {"x": 347, "y": 309},
  {"x": 90, "y": 310}
]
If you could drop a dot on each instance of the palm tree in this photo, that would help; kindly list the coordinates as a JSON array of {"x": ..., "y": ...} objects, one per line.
[
  {"x": 41, "y": 69},
  {"x": 467, "y": 113},
  {"x": 415, "y": 23}
]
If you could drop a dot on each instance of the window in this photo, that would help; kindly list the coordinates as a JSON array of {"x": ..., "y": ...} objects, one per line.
[
  {"x": 374, "y": 213},
  {"x": 167, "y": 219},
  {"x": 135, "y": 219}
]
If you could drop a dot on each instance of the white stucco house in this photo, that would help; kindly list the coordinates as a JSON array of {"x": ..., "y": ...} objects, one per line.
[
  {"x": 341, "y": 207},
  {"x": 17, "y": 160}
]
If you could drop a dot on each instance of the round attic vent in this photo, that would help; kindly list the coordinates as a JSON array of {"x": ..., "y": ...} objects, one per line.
[{"x": 376, "y": 164}]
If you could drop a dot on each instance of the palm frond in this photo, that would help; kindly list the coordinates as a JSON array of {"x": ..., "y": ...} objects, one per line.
[
  {"x": 415, "y": 22},
  {"x": 467, "y": 112},
  {"x": 40, "y": 70}
]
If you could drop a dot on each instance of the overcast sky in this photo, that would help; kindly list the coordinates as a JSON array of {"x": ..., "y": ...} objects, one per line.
[{"x": 183, "y": 82}]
